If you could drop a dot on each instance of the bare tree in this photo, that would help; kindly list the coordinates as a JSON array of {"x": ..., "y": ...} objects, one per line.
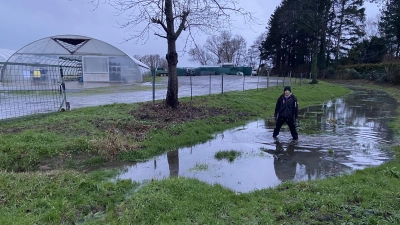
[
  {"x": 199, "y": 54},
  {"x": 254, "y": 53},
  {"x": 169, "y": 18},
  {"x": 154, "y": 61},
  {"x": 241, "y": 54},
  {"x": 138, "y": 57},
  {"x": 213, "y": 45},
  {"x": 226, "y": 48}
]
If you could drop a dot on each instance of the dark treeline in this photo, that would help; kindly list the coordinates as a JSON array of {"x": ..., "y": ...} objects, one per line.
[{"x": 319, "y": 36}]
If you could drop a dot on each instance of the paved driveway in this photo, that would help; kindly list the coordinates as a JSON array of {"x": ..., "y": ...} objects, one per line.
[{"x": 83, "y": 95}]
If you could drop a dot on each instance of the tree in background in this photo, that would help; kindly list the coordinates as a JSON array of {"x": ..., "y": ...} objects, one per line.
[
  {"x": 312, "y": 35},
  {"x": 348, "y": 23},
  {"x": 153, "y": 61},
  {"x": 169, "y": 18},
  {"x": 370, "y": 50},
  {"x": 296, "y": 35},
  {"x": 278, "y": 43},
  {"x": 239, "y": 57},
  {"x": 389, "y": 26},
  {"x": 254, "y": 52},
  {"x": 222, "y": 48},
  {"x": 313, "y": 20},
  {"x": 201, "y": 55}
]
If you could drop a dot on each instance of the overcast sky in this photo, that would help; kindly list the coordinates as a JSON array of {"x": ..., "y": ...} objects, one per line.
[{"x": 25, "y": 21}]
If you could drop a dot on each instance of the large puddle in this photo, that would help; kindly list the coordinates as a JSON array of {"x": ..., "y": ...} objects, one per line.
[{"x": 347, "y": 133}]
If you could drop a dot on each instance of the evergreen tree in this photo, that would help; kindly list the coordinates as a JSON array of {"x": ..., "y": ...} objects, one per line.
[
  {"x": 350, "y": 17},
  {"x": 366, "y": 51},
  {"x": 389, "y": 26}
]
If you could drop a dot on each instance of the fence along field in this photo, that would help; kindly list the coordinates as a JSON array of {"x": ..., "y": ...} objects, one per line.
[{"x": 27, "y": 89}]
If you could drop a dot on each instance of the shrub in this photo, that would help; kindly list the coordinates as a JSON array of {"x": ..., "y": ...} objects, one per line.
[{"x": 347, "y": 74}]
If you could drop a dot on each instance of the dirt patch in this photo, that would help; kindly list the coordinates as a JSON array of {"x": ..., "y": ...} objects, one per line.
[
  {"x": 159, "y": 116},
  {"x": 185, "y": 112}
]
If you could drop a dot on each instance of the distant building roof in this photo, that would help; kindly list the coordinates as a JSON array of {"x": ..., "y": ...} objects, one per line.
[{"x": 5, "y": 54}]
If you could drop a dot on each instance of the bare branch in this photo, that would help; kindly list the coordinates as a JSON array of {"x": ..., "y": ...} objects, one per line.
[
  {"x": 206, "y": 16},
  {"x": 183, "y": 22}
]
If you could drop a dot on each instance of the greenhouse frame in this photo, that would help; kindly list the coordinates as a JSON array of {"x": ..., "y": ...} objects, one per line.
[{"x": 82, "y": 58}]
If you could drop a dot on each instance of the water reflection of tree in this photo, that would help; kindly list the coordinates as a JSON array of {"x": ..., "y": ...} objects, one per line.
[
  {"x": 173, "y": 162},
  {"x": 363, "y": 108}
]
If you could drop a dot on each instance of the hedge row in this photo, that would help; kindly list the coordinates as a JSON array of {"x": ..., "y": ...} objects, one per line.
[{"x": 388, "y": 72}]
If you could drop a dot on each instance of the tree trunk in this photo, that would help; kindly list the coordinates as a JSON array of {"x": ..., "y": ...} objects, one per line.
[
  {"x": 172, "y": 59},
  {"x": 314, "y": 68},
  {"x": 314, "y": 62},
  {"x": 339, "y": 34}
]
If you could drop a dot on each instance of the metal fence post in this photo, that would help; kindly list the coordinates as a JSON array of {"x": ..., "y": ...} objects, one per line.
[
  {"x": 153, "y": 73},
  {"x": 244, "y": 79},
  {"x": 62, "y": 89},
  {"x": 222, "y": 85},
  {"x": 210, "y": 86},
  {"x": 191, "y": 88}
]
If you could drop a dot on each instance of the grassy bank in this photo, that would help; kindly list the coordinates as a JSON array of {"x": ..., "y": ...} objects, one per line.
[
  {"x": 129, "y": 132},
  {"x": 134, "y": 132}
]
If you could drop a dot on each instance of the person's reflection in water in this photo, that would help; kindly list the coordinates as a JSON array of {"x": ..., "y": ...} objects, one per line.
[
  {"x": 173, "y": 162},
  {"x": 284, "y": 165}
]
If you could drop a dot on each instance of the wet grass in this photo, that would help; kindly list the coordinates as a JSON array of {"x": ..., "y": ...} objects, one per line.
[
  {"x": 199, "y": 167},
  {"x": 59, "y": 197},
  {"x": 135, "y": 132},
  {"x": 230, "y": 155},
  {"x": 157, "y": 79},
  {"x": 367, "y": 196}
]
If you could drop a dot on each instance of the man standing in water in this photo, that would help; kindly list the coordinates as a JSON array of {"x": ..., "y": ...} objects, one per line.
[{"x": 286, "y": 111}]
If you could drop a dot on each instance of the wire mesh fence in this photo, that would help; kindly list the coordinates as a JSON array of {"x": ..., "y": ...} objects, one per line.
[
  {"x": 27, "y": 89},
  {"x": 218, "y": 84},
  {"x": 32, "y": 89}
]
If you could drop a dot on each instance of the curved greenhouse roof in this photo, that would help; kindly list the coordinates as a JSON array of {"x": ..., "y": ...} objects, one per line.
[
  {"x": 5, "y": 54},
  {"x": 83, "y": 57}
]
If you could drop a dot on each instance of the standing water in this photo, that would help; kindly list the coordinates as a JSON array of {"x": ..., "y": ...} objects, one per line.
[{"x": 336, "y": 137}]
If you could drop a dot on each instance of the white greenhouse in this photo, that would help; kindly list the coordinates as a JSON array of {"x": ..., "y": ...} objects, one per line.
[
  {"x": 5, "y": 54},
  {"x": 82, "y": 58}
]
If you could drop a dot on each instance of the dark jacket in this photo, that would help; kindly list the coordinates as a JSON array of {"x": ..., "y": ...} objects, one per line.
[{"x": 286, "y": 107}]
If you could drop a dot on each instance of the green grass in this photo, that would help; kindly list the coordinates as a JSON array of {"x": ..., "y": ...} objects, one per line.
[
  {"x": 369, "y": 196},
  {"x": 229, "y": 155},
  {"x": 199, "y": 167},
  {"x": 59, "y": 197},
  {"x": 111, "y": 132},
  {"x": 150, "y": 79}
]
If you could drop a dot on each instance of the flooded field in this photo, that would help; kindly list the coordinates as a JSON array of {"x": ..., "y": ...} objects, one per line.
[{"x": 343, "y": 135}]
